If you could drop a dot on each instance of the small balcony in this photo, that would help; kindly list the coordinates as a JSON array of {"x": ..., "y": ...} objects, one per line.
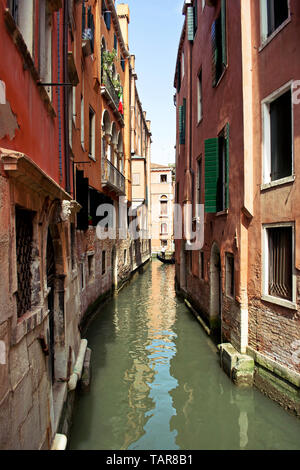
[
  {"x": 112, "y": 178},
  {"x": 111, "y": 96}
]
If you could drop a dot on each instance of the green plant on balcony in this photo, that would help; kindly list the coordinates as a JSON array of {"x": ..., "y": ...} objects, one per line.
[{"x": 107, "y": 60}]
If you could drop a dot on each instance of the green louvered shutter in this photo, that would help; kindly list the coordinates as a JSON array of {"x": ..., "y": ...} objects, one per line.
[
  {"x": 190, "y": 23},
  {"x": 224, "y": 41},
  {"x": 214, "y": 53},
  {"x": 211, "y": 174},
  {"x": 227, "y": 165},
  {"x": 195, "y": 16}
]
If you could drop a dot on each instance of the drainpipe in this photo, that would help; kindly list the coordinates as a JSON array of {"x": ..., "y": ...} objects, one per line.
[
  {"x": 66, "y": 98},
  {"x": 77, "y": 371},
  {"x": 188, "y": 177}
]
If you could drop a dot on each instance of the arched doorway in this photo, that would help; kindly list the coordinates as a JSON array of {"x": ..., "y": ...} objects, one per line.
[
  {"x": 215, "y": 291},
  {"x": 50, "y": 266}
]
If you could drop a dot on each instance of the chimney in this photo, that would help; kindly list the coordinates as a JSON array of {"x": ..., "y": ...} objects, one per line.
[{"x": 124, "y": 20}]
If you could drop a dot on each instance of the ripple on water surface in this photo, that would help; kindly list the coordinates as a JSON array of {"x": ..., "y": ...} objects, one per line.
[{"x": 157, "y": 383}]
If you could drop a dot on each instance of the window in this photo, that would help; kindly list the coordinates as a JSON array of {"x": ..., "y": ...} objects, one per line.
[
  {"x": 229, "y": 275},
  {"x": 23, "y": 14},
  {"x": 103, "y": 262},
  {"x": 74, "y": 104},
  {"x": 82, "y": 275},
  {"x": 278, "y": 139},
  {"x": 125, "y": 256},
  {"x": 123, "y": 63},
  {"x": 217, "y": 172},
  {"x": 106, "y": 15},
  {"x": 182, "y": 122},
  {"x": 178, "y": 76},
  {"x": 163, "y": 243},
  {"x": 201, "y": 265},
  {"x": 198, "y": 181},
  {"x": 199, "y": 97},
  {"x": 219, "y": 45},
  {"x": 45, "y": 44},
  {"x": 278, "y": 269},
  {"x": 24, "y": 239},
  {"x": 163, "y": 207},
  {"x": 164, "y": 229},
  {"x": 91, "y": 133},
  {"x": 163, "y": 178},
  {"x": 182, "y": 65},
  {"x": 82, "y": 121},
  {"x": 91, "y": 265},
  {"x": 136, "y": 179},
  {"x": 273, "y": 14},
  {"x": 116, "y": 43}
]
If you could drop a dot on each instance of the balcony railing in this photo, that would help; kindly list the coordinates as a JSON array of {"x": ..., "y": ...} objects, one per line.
[
  {"x": 112, "y": 178},
  {"x": 109, "y": 92}
]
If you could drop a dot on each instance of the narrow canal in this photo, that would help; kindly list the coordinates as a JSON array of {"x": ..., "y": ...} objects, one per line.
[{"x": 157, "y": 383}]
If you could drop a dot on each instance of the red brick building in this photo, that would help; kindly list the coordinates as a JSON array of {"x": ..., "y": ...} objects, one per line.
[{"x": 237, "y": 122}]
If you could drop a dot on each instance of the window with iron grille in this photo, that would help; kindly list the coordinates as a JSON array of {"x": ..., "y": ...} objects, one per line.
[
  {"x": 24, "y": 237},
  {"x": 280, "y": 271}
]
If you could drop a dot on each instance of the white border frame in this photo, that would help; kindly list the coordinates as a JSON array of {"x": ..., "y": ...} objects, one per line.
[
  {"x": 266, "y": 137},
  {"x": 265, "y": 271}
]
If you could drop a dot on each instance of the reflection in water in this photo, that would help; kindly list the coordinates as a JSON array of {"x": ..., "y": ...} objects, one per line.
[{"x": 157, "y": 383}]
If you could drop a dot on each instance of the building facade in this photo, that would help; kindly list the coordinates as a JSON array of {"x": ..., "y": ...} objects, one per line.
[
  {"x": 235, "y": 156},
  {"x": 65, "y": 151},
  {"x": 162, "y": 208}
]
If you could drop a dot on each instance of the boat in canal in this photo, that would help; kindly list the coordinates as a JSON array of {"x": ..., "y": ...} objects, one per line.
[{"x": 166, "y": 260}]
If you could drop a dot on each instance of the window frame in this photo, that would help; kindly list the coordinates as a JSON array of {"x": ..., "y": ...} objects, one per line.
[
  {"x": 266, "y": 138},
  {"x": 291, "y": 304},
  {"x": 264, "y": 37},
  {"x": 229, "y": 282}
]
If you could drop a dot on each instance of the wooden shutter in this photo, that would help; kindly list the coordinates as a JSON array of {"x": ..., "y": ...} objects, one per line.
[
  {"x": 214, "y": 53},
  {"x": 182, "y": 112},
  {"x": 211, "y": 174},
  {"x": 190, "y": 23},
  {"x": 195, "y": 16},
  {"x": 223, "y": 25},
  {"x": 227, "y": 166},
  {"x": 83, "y": 17}
]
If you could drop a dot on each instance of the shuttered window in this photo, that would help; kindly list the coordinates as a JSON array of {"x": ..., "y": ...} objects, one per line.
[
  {"x": 219, "y": 45},
  {"x": 123, "y": 63},
  {"x": 182, "y": 122},
  {"x": 91, "y": 26},
  {"x": 24, "y": 239},
  {"x": 211, "y": 174},
  {"x": 217, "y": 172},
  {"x": 195, "y": 7},
  {"x": 190, "y": 23}
]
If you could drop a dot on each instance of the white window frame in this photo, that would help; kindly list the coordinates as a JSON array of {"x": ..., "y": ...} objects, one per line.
[
  {"x": 265, "y": 271},
  {"x": 266, "y": 138},
  {"x": 199, "y": 97},
  {"x": 264, "y": 38}
]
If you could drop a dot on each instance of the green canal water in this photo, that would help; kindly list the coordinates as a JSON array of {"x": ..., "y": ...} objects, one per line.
[{"x": 157, "y": 383}]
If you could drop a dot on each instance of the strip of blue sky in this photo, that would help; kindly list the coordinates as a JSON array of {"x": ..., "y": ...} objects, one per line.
[{"x": 154, "y": 33}]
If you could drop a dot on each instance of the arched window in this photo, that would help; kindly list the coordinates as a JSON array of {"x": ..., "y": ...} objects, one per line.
[{"x": 164, "y": 205}]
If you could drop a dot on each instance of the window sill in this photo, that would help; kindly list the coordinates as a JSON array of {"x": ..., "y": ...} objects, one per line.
[
  {"x": 199, "y": 122},
  {"x": 274, "y": 34},
  {"x": 92, "y": 158},
  {"x": 282, "y": 302},
  {"x": 281, "y": 182},
  {"x": 28, "y": 322},
  {"x": 221, "y": 213},
  {"x": 221, "y": 77}
]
